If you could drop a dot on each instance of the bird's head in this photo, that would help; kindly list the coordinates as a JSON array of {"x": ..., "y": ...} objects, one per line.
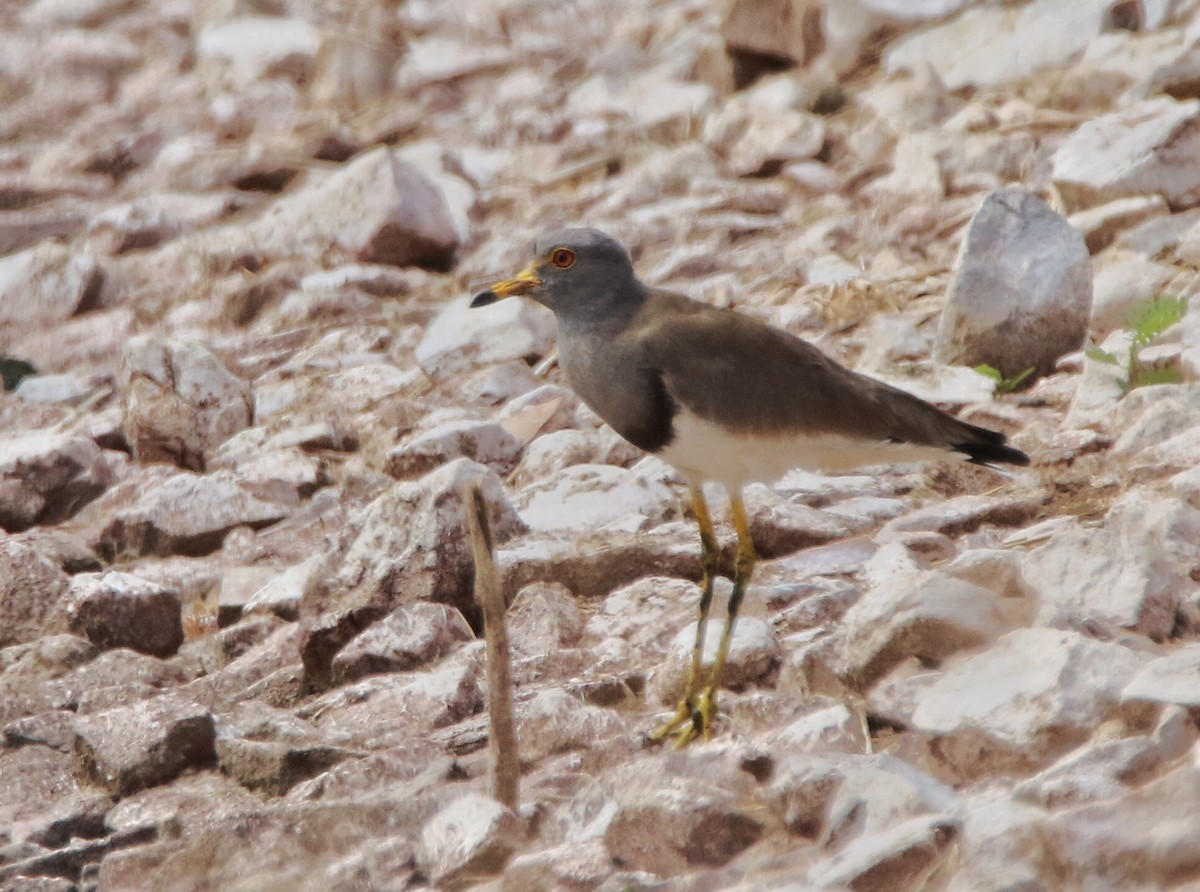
[{"x": 574, "y": 272}]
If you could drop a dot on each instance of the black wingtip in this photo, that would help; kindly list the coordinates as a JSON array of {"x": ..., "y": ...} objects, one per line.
[
  {"x": 991, "y": 449},
  {"x": 483, "y": 298}
]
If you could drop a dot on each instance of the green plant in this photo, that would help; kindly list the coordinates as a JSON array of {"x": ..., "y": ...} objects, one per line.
[
  {"x": 1004, "y": 385},
  {"x": 1146, "y": 321}
]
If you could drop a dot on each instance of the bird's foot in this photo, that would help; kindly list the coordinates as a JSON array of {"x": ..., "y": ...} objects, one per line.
[{"x": 693, "y": 717}]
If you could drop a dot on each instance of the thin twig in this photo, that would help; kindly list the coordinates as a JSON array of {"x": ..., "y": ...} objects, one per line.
[{"x": 504, "y": 767}]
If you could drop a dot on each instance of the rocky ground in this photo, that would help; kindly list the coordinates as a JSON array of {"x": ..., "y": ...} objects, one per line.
[{"x": 238, "y": 646}]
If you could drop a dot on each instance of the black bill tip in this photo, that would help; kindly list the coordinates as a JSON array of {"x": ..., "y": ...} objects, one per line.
[{"x": 483, "y": 298}]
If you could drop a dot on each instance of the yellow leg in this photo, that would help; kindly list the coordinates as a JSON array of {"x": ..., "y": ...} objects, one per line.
[
  {"x": 685, "y": 715},
  {"x": 706, "y": 703}
]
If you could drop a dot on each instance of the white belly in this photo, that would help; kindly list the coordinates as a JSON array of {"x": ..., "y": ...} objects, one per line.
[{"x": 705, "y": 451}]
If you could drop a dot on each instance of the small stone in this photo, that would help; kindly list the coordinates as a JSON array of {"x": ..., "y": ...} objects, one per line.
[
  {"x": 754, "y": 657},
  {"x": 408, "y": 637},
  {"x": 1172, "y": 678},
  {"x": 988, "y": 46},
  {"x": 31, "y": 593},
  {"x": 473, "y": 836},
  {"x": 753, "y": 136},
  {"x": 570, "y": 865},
  {"x": 47, "y": 477},
  {"x": 153, "y": 524},
  {"x": 384, "y": 710},
  {"x": 122, "y": 610},
  {"x": 1123, "y": 281},
  {"x": 257, "y": 47},
  {"x": 555, "y": 721},
  {"x": 666, "y": 815},
  {"x": 144, "y": 744},
  {"x": 1146, "y": 837},
  {"x": 485, "y": 442},
  {"x": 1102, "y": 225},
  {"x": 831, "y": 728},
  {"x": 898, "y": 857},
  {"x": 46, "y": 284},
  {"x": 580, "y": 498},
  {"x": 282, "y": 594},
  {"x": 408, "y": 545},
  {"x": 180, "y": 401},
  {"x": 375, "y": 209},
  {"x": 543, "y": 618},
  {"x": 929, "y": 615}
]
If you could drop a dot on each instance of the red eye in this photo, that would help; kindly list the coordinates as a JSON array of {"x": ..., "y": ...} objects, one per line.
[{"x": 563, "y": 258}]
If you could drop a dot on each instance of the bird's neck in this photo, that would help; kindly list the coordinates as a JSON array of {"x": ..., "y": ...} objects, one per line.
[{"x": 607, "y": 313}]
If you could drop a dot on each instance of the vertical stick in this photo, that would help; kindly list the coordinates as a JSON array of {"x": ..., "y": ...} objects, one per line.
[{"x": 504, "y": 767}]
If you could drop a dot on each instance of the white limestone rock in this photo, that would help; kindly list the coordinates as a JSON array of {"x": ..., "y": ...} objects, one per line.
[
  {"x": 1133, "y": 571},
  {"x": 46, "y": 477},
  {"x": 46, "y": 284},
  {"x": 1032, "y": 695},
  {"x": 1149, "y": 147},
  {"x": 1125, "y": 280},
  {"x": 375, "y": 209},
  {"x": 461, "y": 338},
  {"x": 926, "y": 614},
  {"x": 588, "y": 497},
  {"x": 989, "y": 46}
]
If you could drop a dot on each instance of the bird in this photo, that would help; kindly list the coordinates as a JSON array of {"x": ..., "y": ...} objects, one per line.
[{"x": 722, "y": 398}]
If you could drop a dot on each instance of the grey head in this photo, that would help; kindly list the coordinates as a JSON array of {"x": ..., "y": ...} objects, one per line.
[{"x": 583, "y": 275}]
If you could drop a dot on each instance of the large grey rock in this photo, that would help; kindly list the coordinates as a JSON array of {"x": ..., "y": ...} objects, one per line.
[
  {"x": 122, "y": 610},
  {"x": 1132, "y": 572},
  {"x": 46, "y": 477},
  {"x": 180, "y": 401},
  {"x": 1149, "y": 147},
  {"x": 1021, "y": 295}
]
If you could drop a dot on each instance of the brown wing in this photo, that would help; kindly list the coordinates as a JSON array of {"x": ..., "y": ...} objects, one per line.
[{"x": 747, "y": 376}]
